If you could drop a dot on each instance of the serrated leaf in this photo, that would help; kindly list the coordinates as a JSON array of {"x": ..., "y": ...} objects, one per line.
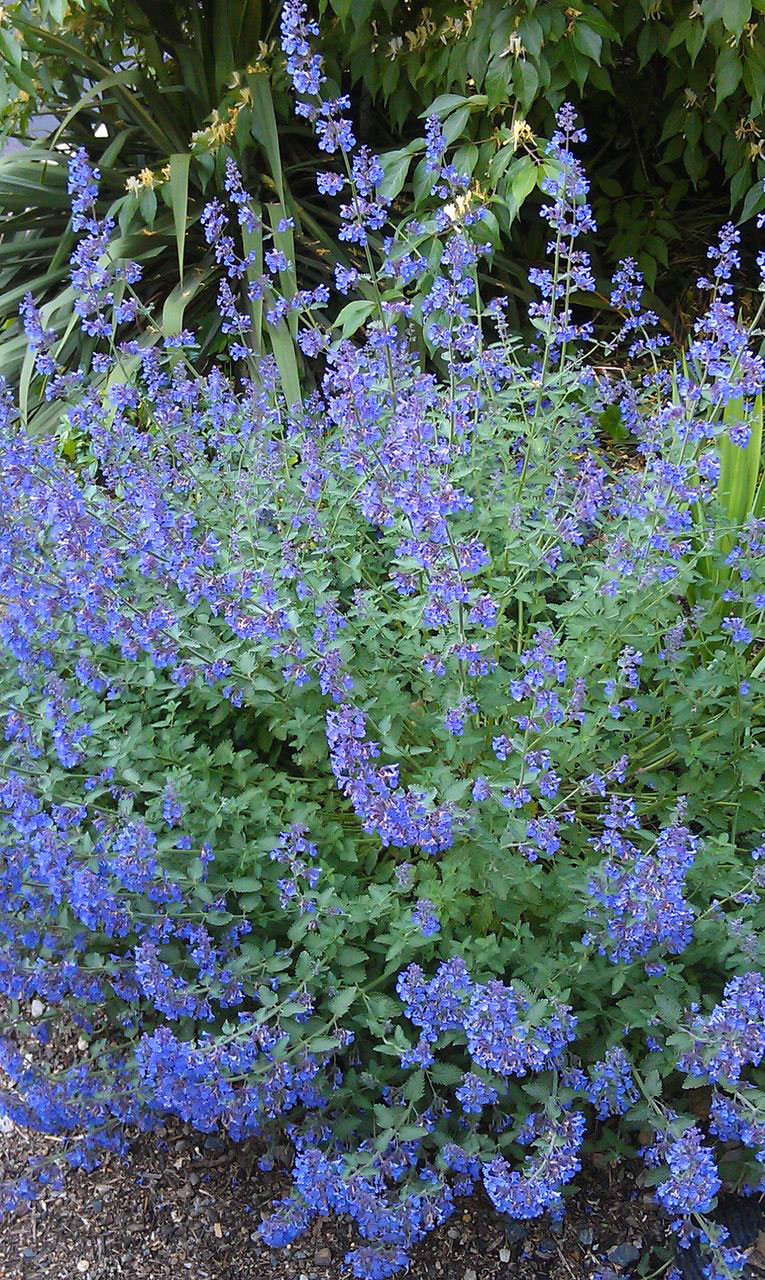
[
  {"x": 414, "y": 1088},
  {"x": 342, "y": 1002},
  {"x": 446, "y": 1073}
]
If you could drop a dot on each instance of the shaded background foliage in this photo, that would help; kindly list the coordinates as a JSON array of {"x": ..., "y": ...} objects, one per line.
[{"x": 672, "y": 93}]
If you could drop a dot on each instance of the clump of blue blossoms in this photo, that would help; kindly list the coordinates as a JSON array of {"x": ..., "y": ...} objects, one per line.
[{"x": 382, "y": 766}]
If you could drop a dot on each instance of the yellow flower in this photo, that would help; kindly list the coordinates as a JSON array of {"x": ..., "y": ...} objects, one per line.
[{"x": 143, "y": 182}]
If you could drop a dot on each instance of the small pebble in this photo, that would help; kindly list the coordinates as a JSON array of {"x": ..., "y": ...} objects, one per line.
[
  {"x": 623, "y": 1255},
  {"x": 323, "y": 1258},
  {"x": 505, "y": 1255},
  {"x": 470, "y": 1275},
  {"x": 83, "y": 1265},
  {"x": 546, "y": 1248},
  {"x": 514, "y": 1231}
]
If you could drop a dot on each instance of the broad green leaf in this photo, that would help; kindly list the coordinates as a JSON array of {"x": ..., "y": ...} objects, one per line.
[
  {"x": 736, "y": 14},
  {"x": 285, "y": 241},
  {"x": 442, "y": 105},
  {"x": 353, "y": 316},
  {"x": 396, "y": 166},
  {"x": 522, "y": 179},
  {"x": 454, "y": 125},
  {"x": 342, "y": 1002},
  {"x": 414, "y": 1088},
  {"x": 253, "y": 243},
  {"x": 739, "y": 468},
  {"x": 754, "y": 202},
  {"x": 526, "y": 81},
  {"x": 587, "y": 41},
  {"x": 727, "y": 73}
]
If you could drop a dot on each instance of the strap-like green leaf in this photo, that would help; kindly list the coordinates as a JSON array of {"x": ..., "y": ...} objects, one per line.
[
  {"x": 106, "y": 82},
  {"x": 177, "y": 302},
  {"x": 253, "y": 244},
  {"x": 263, "y": 127},
  {"x": 285, "y": 355},
  {"x": 285, "y": 241},
  {"x": 179, "y": 200},
  {"x": 739, "y": 468}
]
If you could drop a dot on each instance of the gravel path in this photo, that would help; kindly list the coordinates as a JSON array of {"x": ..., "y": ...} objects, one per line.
[{"x": 185, "y": 1206}]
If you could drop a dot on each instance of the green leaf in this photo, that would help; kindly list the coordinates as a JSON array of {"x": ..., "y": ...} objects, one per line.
[
  {"x": 754, "y": 202},
  {"x": 727, "y": 73},
  {"x": 454, "y": 124},
  {"x": 445, "y": 1073},
  {"x": 739, "y": 468},
  {"x": 179, "y": 200},
  {"x": 351, "y": 955},
  {"x": 177, "y": 301},
  {"x": 442, "y": 105},
  {"x": 285, "y": 241},
  {"x": 342, "y": 1002},
  {"x": 736, "y": 14},
  {"x": 422, "y": 182},
  {"x": 353, "y": 316},
  {"x": 411, "y": 1132},
  {"x": 264, "y": 128},
  {"x": 246, "y": 884},
  {"x": 587, "y": 41},
  {"x": 522, "y": 179},
  {"x": 414, "y": 1088},
  {"x": 498, "y": 78},
  {"x": 252, "y": 241},
  {"x": 147, "y": 203},
  {"x": 396, "y": 166},
  {"x": 285, "y": 356},
  {"x": 526, "y": 81}
]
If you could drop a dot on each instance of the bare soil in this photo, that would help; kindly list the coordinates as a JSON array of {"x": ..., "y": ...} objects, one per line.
[{"x": 185, "y": 1206}]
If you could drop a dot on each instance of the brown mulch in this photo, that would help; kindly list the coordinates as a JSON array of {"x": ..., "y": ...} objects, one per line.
[{"x": 186, "y": 1206}]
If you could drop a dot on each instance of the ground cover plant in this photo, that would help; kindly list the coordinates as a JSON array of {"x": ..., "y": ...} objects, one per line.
[{"x": 383, "y": 752}]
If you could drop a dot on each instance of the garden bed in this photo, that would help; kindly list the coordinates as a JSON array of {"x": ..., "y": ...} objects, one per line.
[{"x": 186, "y": 1205}]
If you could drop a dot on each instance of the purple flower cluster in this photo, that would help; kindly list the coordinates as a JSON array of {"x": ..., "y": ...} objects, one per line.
[
  {"x": 509, "y": 1033},
  {"x": 399, "y": 817},
  {"x": 506, "y": 1032},
  {"x": 554, "y": 1160},
  {"x": 611, "y": 1088},
  {"x": 692, "y": 1180},
  {"x": 732, "y": 1036},
  {"x": 641, "y": 910},
  {"x": 296, "y": 888}
]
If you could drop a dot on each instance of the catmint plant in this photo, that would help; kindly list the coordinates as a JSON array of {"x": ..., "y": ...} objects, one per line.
[{"x": 376, "y": 776}]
